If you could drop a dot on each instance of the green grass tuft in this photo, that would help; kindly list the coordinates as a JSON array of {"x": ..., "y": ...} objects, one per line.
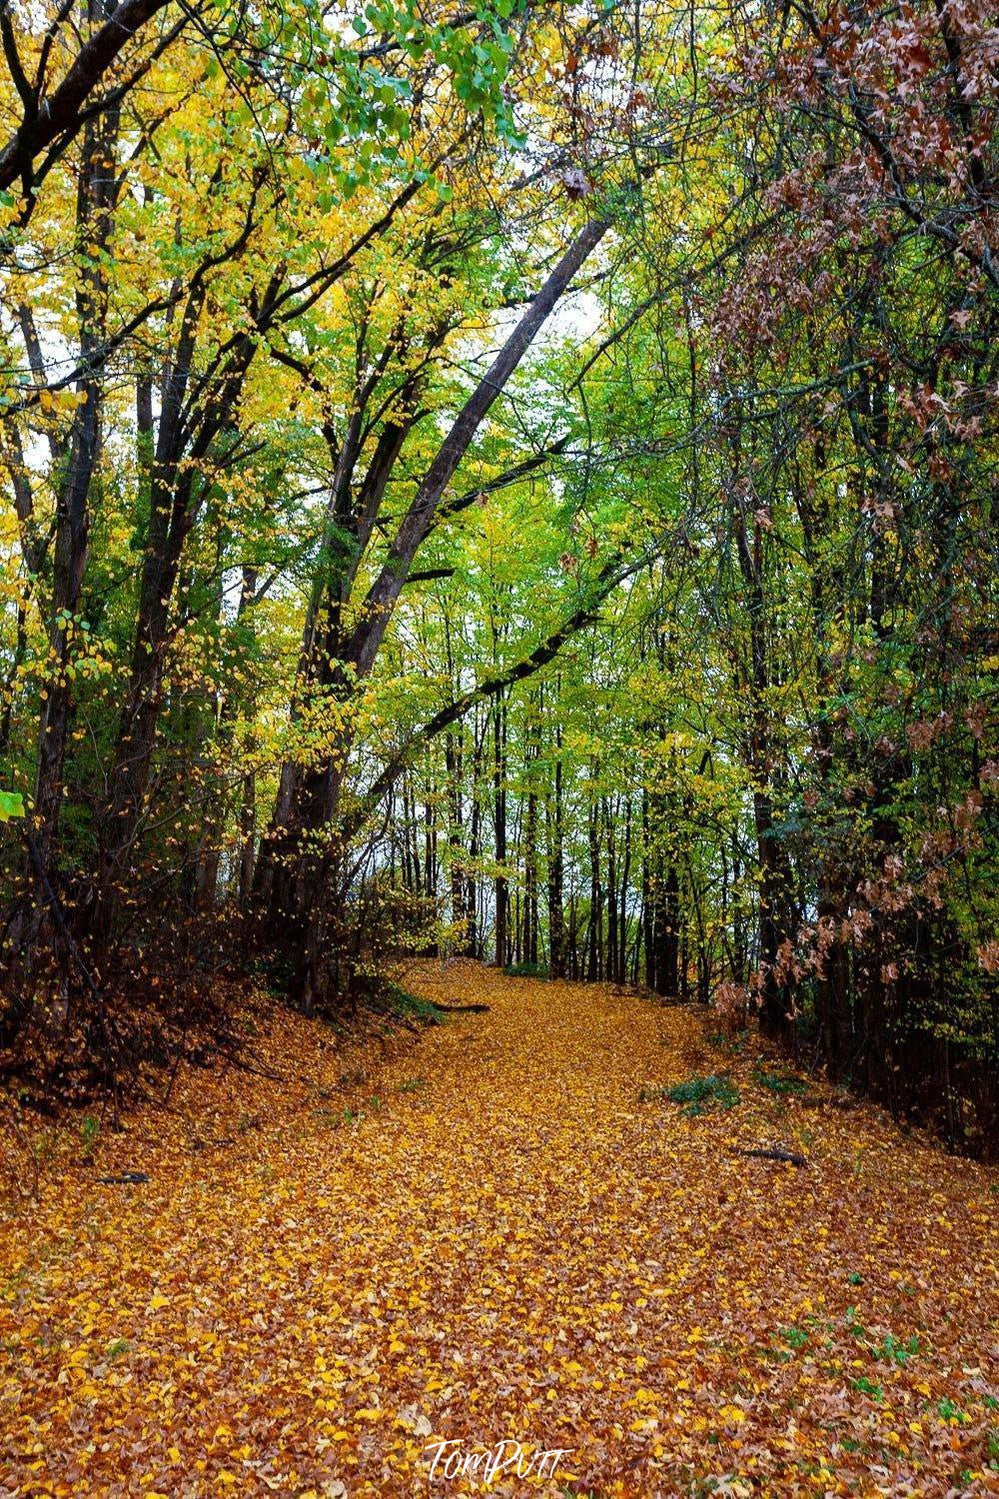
[
  {"x": 412, "y": 1007},
  {"x": 698, "y": 1094},
  {"x": 779, "y": 1082}
]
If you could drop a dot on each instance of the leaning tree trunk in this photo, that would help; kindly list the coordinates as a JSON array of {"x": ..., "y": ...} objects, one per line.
[{"x": 316, "y": 890}]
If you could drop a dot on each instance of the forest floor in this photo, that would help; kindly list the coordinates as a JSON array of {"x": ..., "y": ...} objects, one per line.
[{"x": 502, "y": 1232}]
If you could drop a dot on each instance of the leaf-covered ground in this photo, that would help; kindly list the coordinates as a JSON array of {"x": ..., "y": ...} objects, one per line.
[{"x": 501, "y": 1231}]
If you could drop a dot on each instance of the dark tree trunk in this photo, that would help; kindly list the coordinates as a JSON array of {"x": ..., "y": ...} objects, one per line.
[
  {"x": 557, "y": 938},
  {"x": 501, "y": 885},
  {"x": 594, "y": 948},
  {"x": 95, "y": 206}
]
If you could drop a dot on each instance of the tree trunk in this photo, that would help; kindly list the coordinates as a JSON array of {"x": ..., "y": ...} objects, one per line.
[
  {"x": 95, "y": 206},
  {"x": 556, "y": 870},
  {"x": 501, "y": 884}
]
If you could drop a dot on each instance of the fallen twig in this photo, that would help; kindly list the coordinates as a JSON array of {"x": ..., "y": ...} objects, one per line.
[{"x": 772, "y": 1153}]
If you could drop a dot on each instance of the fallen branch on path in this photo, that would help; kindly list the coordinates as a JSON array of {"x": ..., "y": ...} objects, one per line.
[
  {"x": 774, "y": 1153},
  {"x": 460, "y": 1009}
]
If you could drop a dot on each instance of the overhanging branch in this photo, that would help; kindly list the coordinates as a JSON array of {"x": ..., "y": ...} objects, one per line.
[{"x": 611, "y": 576}]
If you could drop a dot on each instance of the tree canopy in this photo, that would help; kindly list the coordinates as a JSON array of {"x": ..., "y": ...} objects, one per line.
[{"x": 513, "y": 480}]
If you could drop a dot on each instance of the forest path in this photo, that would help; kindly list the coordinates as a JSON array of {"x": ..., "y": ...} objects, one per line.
[{"x": 492, "y": 1237}]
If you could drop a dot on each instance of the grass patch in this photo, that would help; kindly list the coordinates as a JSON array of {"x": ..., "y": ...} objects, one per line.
[
  {"x": 865, "y": 1386},
  {"x": 781, "y": 1083},
  {"x": 892, "y": 1350},
  {"x": 411, "y": 1007},
  {"x": 700, "y": 1093},
  {"x": 527, "y": 971},
  {"x": 731, "y": 1045}
]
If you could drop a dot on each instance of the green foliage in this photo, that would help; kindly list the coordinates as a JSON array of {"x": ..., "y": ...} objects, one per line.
[
  {"x": 412, "y": 1007},
  {"x": 700, "y": 1093},
  {"x": 854, "y": 1327},
  {"x": 891, "y": 1350},
  {"x": 11, "y": 805},
  {"x": 89, "y": 1131},
  {"x": 694, "y": 656},
  {"x": 867, "y": 1386},
  {"x": 779, "y": 1082}
]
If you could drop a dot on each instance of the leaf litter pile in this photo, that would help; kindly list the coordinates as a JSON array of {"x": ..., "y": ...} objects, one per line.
[{"x": 533, "y": 1225}]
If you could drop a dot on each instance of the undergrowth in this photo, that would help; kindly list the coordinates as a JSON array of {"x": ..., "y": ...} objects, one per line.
[
  {"x": 404, "y": 1006},
  {"x": 700, "y": 1093}
]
